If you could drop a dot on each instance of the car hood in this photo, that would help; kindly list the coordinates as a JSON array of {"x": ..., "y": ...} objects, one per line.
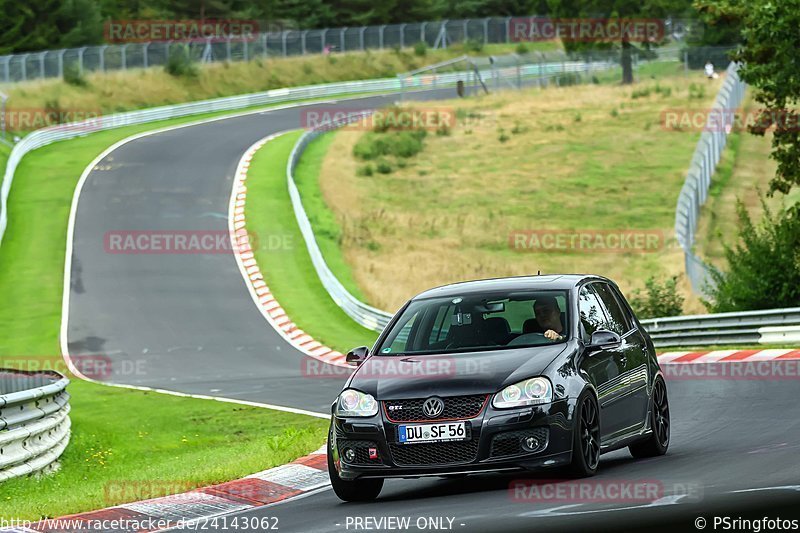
[{"x": 404, "y": 377}]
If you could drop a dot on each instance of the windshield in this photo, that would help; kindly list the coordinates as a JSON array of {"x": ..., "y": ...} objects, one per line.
[{"x": 487, "y": 321}]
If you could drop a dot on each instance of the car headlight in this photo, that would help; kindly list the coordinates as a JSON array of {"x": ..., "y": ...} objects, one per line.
[
  {"x": 532, "y": 391},
  {"x": 355, "y": 403}
]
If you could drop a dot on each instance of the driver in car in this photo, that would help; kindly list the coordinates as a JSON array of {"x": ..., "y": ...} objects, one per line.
[{"x": 548, "y": 315}]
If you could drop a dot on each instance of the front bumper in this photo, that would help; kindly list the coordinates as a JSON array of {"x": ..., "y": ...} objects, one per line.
[{"x": 494, "y": 444}]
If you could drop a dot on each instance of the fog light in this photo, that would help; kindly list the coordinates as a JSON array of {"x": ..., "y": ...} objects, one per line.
[
  {"x": 349, "y": 455},
  {"x": 530, "y": 444}
]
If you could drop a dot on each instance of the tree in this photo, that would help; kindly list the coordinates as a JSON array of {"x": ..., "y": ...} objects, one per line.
[
  {"x": 763, "y": 268},
  {"x": 617, "y": 9},
  {"x": 770, "y": 64}
]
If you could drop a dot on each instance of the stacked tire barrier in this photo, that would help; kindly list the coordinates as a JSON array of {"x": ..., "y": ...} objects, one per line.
[{"x": 34, "y": 421}]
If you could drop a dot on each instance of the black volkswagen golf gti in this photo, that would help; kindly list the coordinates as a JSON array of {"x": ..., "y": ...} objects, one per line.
[{"x": 499, "y": 375}]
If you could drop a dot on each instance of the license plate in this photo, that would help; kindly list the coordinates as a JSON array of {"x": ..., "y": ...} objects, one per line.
[{"x": 444, "y": 432}]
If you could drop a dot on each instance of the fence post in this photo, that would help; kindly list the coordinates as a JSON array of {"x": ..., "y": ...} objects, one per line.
[
  {"x": 3, "y": 98},
  {"x": 303, "y": 41},
  {"x": 124, "y": 57},
  {"x": 228, "y": 49},
  {"x": 422, "y": 33},
  {"x": 403, "y": 35},
  {"x": 341, "y": 39},
  {"x": 486, "y": 30},
  {"x": 380, "y": 36},
  {"x": 264, "y": 42},
  {"x": 506, "y": 29},
  {"x": 323, "y": 42},
  {"x": 103, "y": 57},
  {"x": 466, "y": 30},
  {"x": 361, "y": 37},
  {"x": 145, "y": 59},
  {"x": 283, "y": 41},
  {"x": 41, "y": 64},
  {"x": 24, "y": 67},
  {"x": 244, "y": 49},
  {"x": 80, "y": 59}
]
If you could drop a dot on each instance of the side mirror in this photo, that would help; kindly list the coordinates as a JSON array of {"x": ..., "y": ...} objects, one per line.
[
  {"x": 602, "y": 339},
  {"x": 356, "y": 356}
]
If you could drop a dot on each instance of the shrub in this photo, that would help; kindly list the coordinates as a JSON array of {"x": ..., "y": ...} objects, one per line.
[
  {"x": 73, "y": 76},
  {"x": 443, "y": 130},
  {"x": 658, "y": 299},
  {"x": 473, "y": 45},
  {"x": 763, "y": 268},
  {"x": 521, "y": 49},
  {"x": 614, "y": 113},
  {"x": 420, "y": 49},
  {"x": 502, "y": 137},
  {"x": 384, "y": 167},
  {"x": 180, "y": 64},
  {"x": 365, "y": 170}
]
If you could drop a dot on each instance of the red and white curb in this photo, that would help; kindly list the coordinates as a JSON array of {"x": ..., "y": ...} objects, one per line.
[
  {"x": 728, "y": 356},
  {"x": 245, "y": 257},
  {"x": 271, "y": 486}
]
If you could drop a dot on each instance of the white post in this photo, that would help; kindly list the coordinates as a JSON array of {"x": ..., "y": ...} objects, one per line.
[
  {"x": 303, "y": 41},
  {"x": 145, "y": 61},
  {"x": 361, "y": 37},
  {"x": 402, "y": 35},
  {"x": 103, "y": 57},
  {"x": 41, "y": 64},
  {"x": 380, "y": 36},
  {"x": 80, "y": 59},
  {"x": 341, "y": 39},
  {"x": 283, "y": 42},
  {"x": 486, "y": 31}
]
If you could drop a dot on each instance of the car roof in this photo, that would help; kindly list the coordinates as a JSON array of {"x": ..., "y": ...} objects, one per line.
[{"x": 546, "y": 282}]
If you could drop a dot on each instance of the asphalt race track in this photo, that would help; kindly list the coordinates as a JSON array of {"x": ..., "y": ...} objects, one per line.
[{"x": 187, "y": 323}]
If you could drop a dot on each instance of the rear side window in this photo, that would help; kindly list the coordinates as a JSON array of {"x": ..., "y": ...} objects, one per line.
[
  {"x": 591, "y": 311},
  {"x": 618, "y": 321}
]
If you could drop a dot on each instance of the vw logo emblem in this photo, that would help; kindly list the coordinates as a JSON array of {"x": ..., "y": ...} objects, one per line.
[{"x": 433, "y": 407}]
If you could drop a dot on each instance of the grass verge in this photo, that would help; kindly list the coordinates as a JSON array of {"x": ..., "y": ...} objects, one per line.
[
  {"x": 592, "y": 159},
  {"x": 289, "y": 272},
  {"x": 121, "y": 438}
]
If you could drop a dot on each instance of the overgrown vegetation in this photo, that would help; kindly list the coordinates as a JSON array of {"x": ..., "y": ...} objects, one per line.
[
  {"x": 180, "y": 64},
  {"x": 657, "y": 299},
  {"x": 763, "y": 266}
]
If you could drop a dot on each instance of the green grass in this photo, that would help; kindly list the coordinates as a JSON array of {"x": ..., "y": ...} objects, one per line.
[
  {"x": 289, "y": 272},
  {"x": 326, "y": 229},
  {"x": 144, "y": 432},
  {"x": 131, "y": 445}
]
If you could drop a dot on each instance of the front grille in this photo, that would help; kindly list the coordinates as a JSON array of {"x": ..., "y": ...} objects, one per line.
[
  {"x": 455, "y": 408},
  {"x": 361, "y": 447},
  {"x": 510, "y": 443},
  {"x": 434, "y": 453}
]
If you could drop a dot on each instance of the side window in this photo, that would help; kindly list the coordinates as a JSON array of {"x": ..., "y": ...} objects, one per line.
[
  {"x": 400, "y": 342},
  {"x": 618, "y": 322},
  {"x": 441, "y": 324},
  {"x": 592, "y": 316}
]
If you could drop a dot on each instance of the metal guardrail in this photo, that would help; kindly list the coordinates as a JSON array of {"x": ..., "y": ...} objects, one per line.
[
  {"x": 34, "y": 421},
  {"x": 694, "y": 192},
  {"x": 771, "y": 326}
]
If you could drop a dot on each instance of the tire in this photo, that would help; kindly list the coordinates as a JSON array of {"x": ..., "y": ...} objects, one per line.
[
  {"x": 585, "y": 437},
  {"x": 658, "y": 441},
  {"x": 357, "y": 490}
]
